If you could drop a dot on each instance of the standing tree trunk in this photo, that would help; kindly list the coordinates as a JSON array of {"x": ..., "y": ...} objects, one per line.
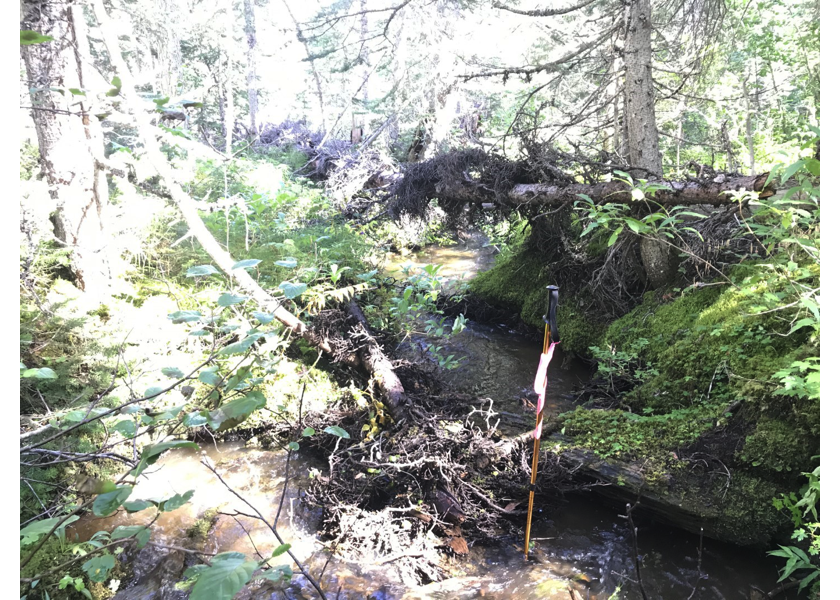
[
  {"x": 228, "y": 46},
  {"x": 69, "y": 138},
  {"x": 749, "y": 128},
  {"x": 639, "y": 95},
  {"x": 251, "y": 37},
  {"x": 170, "y": 73}
]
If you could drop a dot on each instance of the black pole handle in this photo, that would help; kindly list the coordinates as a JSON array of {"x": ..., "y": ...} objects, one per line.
[{"x": 550, "y": 317}]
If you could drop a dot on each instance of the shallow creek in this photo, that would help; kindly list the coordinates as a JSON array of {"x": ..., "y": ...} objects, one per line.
[{"x": 583, "y": 548}]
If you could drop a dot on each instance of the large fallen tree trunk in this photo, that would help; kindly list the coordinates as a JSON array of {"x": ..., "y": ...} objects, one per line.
[
  {"x": 678, "y": 192},
  {"x": 380, "y": 368}
]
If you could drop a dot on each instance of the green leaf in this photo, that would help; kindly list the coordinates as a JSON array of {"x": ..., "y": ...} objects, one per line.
[
  {"x": 184, "y": 316},
  {"x": 614, "y": 236},
  {"x": 173, "y": 372},
  {"x": 134, "y": 506},
  {"x": 635, "y": 225},
  {"x": 202, "y": 270},
  {"x": 32, "y": 532},
  {"x": 141, "y": 532},
  {"x": 107, "y": 503},
  {"x": 98, "y": 567},
  {"x": 153, "y": 391},
  {"x": 150, "y": 454},
  {"x": 292, "y": 290},
  {"x": 195, "y": 419},
  {"x": 240, "y": 346},
  {"x": 28, "y": 38},
  {"x": 263, "y": 318},
  {"x": 160, "y": 101},
  {"x": 177, "y": 501},
  {"x": 127, "y": 427},
  {"x": 294, "y": 446},
  {"x": 281, "y": 549},
  {"x": 116, "y": 82},
  {"x": 337, "y": 431},
  {"x": 194, "y": 571},
  {"x": 637, "y": 194},
  {"x": 308, "y": 432},
  {"x": 228, "y": 573},
  {"x": 289, "y": 261},
  {"x": 210, "y": 376},
  {"x": 248, "y": 263},
  {"x": 77, "y": 92},
  {"x": 42, "y": 373},
  {"x": 231, "y": 299},
  {"x": 792, "y": 170}
]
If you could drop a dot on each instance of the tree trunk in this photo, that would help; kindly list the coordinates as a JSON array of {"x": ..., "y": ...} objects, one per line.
[
  {"x": 228, "y": 54},
  {"x": 678, "y": 192},
  {"x": 639, "y": 95},
  {"x": 69, "y": 138},
  {"x": 251, "y": 37},
  {"x": 749, "y": 128}
]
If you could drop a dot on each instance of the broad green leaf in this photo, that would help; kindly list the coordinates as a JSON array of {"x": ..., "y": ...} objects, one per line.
[
  {"x": 337, "y": 431},
  {"x": 289, "y": 261},
  {"x": 282, "y": 548},
  {"x": 228, "y": 573},
  {"x": 202, "y": 270},
  {"x": 294, "y": 446},
  {"x": 210, "y": 376},
  {"x": 133, "y": 506},
  {"x": 637, "y": 194},
  {"x": 184, "y": 316},
  {"x": 127, "y": 427},
  {"x": 292, "y": 290},
  {"x": 160, "y": 101},
  {"x": 194, "y": 570},
  {"x": 308, "y": 432},
  {"x": 635, "y": 225},
  {"x": 32, "y": 532},
  {"x": 231, "y": 299},
  {"x": 98, "y": 567},
  {"x": 42, "y": 373},
  {"x": 107, "y": 503},
  {"x": 28, "y": 38},
  {"x": 241, "y": 346},
  {"x": 792, "y": 170},
  {"x": 150, "y": 454},
  {"x": 248, "y": 263},
  {"x": 177, "y": 501},
  {"x": 263, "y": 318},
  {"x": 195, "y": 419},
  {"x": 116, "y": 82},
  {"x": 141, "y": 532},
  {"x": 173, "y": 372},
  {"x": 153, "y": 391},
  {"x": 199, "y": 333}
]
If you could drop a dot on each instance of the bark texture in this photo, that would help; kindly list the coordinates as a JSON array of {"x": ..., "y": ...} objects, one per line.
[
  {"x": 251, "y": 76},
  {"x": 639, "y": 94},
  {"x": 69, "y": 138}
]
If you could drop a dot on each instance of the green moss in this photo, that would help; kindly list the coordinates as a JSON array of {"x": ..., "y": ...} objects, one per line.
[
  {"x": 778, "y": 446},
  {"x": 198, "y": 531},
  {"x": 517, "y": 283}
]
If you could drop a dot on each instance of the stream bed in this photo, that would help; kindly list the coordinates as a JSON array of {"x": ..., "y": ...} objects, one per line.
[{"x": 584, "y": 549}]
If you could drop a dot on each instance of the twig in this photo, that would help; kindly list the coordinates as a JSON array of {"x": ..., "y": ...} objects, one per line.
[{"x": 260, "y": 517}]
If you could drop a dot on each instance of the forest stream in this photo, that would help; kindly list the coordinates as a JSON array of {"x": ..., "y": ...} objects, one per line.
[{"x": 583, "y": 547}]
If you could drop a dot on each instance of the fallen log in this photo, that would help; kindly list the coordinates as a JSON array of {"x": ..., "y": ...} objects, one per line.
[
  {"x": 711, "y": 192},
  {"x": 373, "y": 358}
]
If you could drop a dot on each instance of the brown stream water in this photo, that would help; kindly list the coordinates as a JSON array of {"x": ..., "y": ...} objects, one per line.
[{"x": 584, "y": 548}]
